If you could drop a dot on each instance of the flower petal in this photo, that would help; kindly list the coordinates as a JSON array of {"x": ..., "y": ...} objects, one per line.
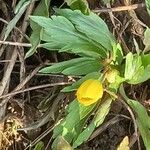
[{"x": 89, "y": 92}]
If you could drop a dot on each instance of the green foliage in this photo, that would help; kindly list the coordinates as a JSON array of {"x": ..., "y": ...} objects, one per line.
[
  {"x": 146, "y": 39},
  {"x": 81, "y": 5},
  {"x": 81, "y": 69},
  {"x": 98, "y": 119},
  {"x": 148, "y": 6},
  {"x": 77, "y": 66},
  {"x": 41, "y": 10},
  {"x": 92, "y": 26},
  {"x": 135, "y": 71},
  {"x": 61, "y": 66},
  {"x": 70, "y": 127},
  {"x": 131, "y": 66},
  {"x": 97, "y": 54},
  {"x": 83, "y": 39},
  {"x": 117, "y": 54},
  {"x": 142, "y": 118},
  {"x": 145, "y": 60}
]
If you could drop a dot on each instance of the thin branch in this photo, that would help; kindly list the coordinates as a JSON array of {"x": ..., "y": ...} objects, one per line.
[
  {"x": 134, "y": 122},
  {"x": 21, "y": 85},
  {"x": 15, "y": 44},
  {"x": 19, "y": 44},
  {"x": 120, "y": 8},
  {"x": 34, "y": 88},
  {"x": 8, "y": 71}
]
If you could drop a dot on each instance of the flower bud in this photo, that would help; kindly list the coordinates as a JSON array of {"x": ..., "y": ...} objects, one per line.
[
  {"x": 89, "y": 92},
  {"x": 111, "y": 75}
]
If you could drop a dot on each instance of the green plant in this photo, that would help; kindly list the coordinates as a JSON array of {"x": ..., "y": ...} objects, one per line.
[{"x": 100, "y": 57}]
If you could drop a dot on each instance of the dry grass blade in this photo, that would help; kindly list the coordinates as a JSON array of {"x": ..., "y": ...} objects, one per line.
[
  {"x": 9, "y": 67},
  {"x": 13, "y": 22},
  {"x": 17, "y": 29}
]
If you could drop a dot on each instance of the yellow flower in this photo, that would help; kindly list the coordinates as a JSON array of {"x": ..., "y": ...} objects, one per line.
[{"x": 89, "y": 92}]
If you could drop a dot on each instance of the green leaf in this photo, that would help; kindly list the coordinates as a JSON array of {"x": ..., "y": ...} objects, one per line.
[
  {"x": 83, "y": 35},
  {"x": 83, "y": 68},
  {"x": 134, "y": 70},
  {"x": 41, "y": 10},
  {"x": 113, "y": 87},
  {"x": 58, "y": 28},
  {"x": 141, "y": 76},
  {"x": 144, "y": 130},
  {"x": 81, "y": 49},
  {"x": 82, "y": 5},
  {"x": 142, "y": 118},
  {"x": 84, "y": 135},
  {"x": 61, "y": 66},
  {"x": 148, "y": 6},
  {"x": 132, "y": 64},
  {"x": 146, "y": 40},
  {"x": 117, "y": 54},
  {"x": 102, "y": 112},
  {"x": 13, "y": 22},
  {"x": 71, "y": 125},
  {"x": 74, "y": 86},
  {"x": 128, "y": 66},
  {"x": 76, "y": 112},
  {"x": 35, "y": 40},
  {"x": 85, "y": 110},
  {"x": 39, "y": 146},
  {"x": 98, "y": 119},
  {"x": 145, "y": 60},
  {"x": 79, "y": 127},
  {"x": 92, "y": 25}
]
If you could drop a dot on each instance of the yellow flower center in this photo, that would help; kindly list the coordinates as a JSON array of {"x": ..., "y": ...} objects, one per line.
[{"x": 89, "y": 92}]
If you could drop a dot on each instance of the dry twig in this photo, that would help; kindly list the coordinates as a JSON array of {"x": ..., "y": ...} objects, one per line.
[
  {"x": 119, "y": 8},
  {"x": 134, "y": 122},
  {"x": 33, "y": 88}
]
